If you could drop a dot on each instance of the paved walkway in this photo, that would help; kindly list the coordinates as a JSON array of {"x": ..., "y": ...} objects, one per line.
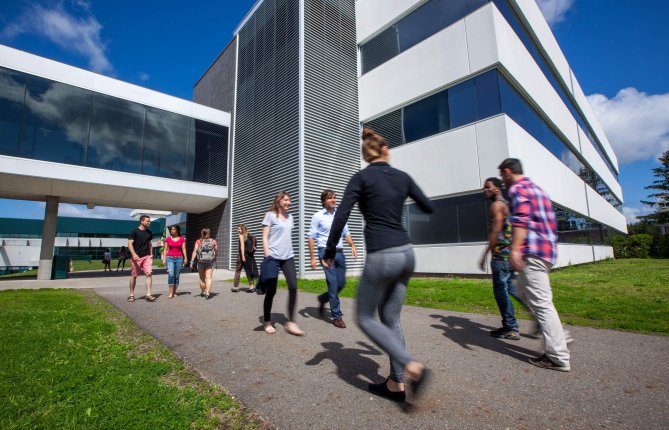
[{"x": 618, "y": 380}]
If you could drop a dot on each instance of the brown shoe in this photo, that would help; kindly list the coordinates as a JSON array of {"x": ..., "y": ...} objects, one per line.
[{"x": 339, "y": 323}]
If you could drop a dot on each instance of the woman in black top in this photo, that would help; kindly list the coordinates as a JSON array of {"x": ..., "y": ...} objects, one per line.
[
  {"x": 245, "y": 258},
  {"x": 380, "y": 192}
]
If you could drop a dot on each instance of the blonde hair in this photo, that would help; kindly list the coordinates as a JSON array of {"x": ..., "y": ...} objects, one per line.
[
  {"x": 274, "y": 207},
  {"x": 245, "y": 231},
  {"x": 205, "y": 233},
  {"x": 372, "y": 145}
]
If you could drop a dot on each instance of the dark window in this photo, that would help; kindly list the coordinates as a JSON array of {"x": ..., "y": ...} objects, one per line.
[
  {"x": 211, "y": 153},
  {"x": 455, "y": 220},
  {"x": 56, "y": 122},
  {"x": 165, "y": 151},
  {"x": 462, "y": 104},
  {"x": 116, "y": 134},
  {"x": 426, "y": 117},
  {"x": 12, "y": 93},
  {"x": 487, "y": 95},
  {"x": 390, "y": 127}
]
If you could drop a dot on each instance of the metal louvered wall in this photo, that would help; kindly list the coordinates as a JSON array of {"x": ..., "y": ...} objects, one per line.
[
  {"x": 331, "y": 128},
  {"x": 266, "y": 153}
]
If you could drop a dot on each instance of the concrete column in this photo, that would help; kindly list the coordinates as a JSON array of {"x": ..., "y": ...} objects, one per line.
[{"x": 48, "y": 238}]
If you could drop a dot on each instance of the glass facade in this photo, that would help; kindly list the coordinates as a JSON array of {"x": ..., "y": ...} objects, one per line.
[
  {"x": 434, "y": 16},
  {"x": 51, "y": 121},
  {"x": 464, "y": 219},
  {"x": 476, "y": 99}
]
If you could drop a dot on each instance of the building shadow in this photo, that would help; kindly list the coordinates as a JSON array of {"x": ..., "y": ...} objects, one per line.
[
  {"x": 470, "y": 335},
  {"x": 353, "y": 367}
]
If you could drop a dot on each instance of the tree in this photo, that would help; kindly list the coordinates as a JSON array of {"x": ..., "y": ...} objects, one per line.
[{"x": 660, "y": 198}]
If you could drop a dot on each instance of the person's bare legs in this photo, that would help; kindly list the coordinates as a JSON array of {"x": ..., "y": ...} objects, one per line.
[
  {"x": 201, "y": 272},
  {"x": 133, "y": 281},
  {"x": 208, "y": 272},
  {"x": 148, "y": 285}
]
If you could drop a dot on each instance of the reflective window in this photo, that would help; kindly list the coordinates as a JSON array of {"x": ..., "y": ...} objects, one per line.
[
  {"x": 116, "y": 134},
  {"x": 426, "y": 118},
  {"x": 211, "y": 153},
  {"x": 454, "y": 220},
  {"x": 487, "y": 95},
  {"x": 55, "y": 122},
  {"x": 462, "y": 104},
  {"x": 577, "y": 229},
  {"x": 12, "y": 94},
  {"x": 165, "y": 144}
]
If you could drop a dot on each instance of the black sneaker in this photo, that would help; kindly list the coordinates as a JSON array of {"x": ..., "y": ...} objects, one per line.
[
  {"x": 546, "y": 363},
  {"x": 383, "y": 391},
  {"x": 502, "y": 333}
]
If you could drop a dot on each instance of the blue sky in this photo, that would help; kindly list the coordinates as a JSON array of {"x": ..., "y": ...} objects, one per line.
[{"x": 618, "y": 51}]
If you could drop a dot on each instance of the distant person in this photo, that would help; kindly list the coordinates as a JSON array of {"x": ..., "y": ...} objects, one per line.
[
  {"x": 174, "y": 258},
  {"x": 499, "y": 246},
  {"x": 106, "y": 259},
  {"x": 335, "y": 276},
  {"x": 533, "y": 254},
  {"x": 141, "y": 250},
  {"x": 122, "y": 256},
  {"x": 205, "y": 250},
  {"x": 381, "y": 191},
  {"x": 277, "y": 243},
  {"x": 245, "y": 258}
]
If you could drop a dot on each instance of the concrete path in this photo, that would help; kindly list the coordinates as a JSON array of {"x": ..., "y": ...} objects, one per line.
[{"x": 618, "y": 380}]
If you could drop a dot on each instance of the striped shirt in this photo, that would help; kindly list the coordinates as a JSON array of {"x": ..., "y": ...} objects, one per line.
[{"x": 532, "y": 209}]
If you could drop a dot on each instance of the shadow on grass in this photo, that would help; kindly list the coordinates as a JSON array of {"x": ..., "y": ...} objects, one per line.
[
  {"x": 352, "y": 366},
  {"x": 470, "y": 335}
]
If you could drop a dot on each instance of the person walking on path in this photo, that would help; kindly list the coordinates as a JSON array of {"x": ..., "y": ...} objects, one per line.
[
  {"x": 141, "y": 251},
  {"x": 533, "y": 254},
  {"x": 106, "y": 259},
  {"x": 278, "y": 246},
  {"x": 380, "y": 191},
  {"x": 122, "y": 256},
  {"x": 499, "y": 245},
  {"x": 245, "y": 258},
  {"x": 335, "y": 276},
  {"x": 174, "y": 258},
  {"x": 205, "y": 250}
]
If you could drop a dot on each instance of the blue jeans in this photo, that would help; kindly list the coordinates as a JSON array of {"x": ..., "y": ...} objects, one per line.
[
  {"x": 173, "y": 269},
  {"x": 503, "y": 286},
  {"x": 335, "y": 277}
]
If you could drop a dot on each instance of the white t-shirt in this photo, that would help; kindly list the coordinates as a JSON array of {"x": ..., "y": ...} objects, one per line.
[{"x": 280, "y": 240}]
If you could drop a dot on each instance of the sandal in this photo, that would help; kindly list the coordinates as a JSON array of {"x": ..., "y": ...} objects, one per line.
[
  {"x": 150, "y": 298},
  {"x": 131, "y": 299}
]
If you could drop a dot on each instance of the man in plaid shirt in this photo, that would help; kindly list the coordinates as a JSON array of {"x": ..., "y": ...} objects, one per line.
[{"x": 533, "y": 254}]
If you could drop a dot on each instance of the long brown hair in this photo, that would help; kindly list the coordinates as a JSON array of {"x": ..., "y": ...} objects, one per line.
[
  {"x": 245, "y": 231},
  {"x": 274, "y": 207},
  {"x": 372, "y": 144},
  {"x": 205, "y": 233}
]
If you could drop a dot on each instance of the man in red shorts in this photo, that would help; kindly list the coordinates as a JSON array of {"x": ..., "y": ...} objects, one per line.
[{"x": 141, "y": 250}]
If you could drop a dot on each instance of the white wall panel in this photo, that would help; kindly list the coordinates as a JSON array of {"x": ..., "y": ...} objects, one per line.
[
  {"x": 590, "y": 116},
  {"x": 520, "y": 64},
  {"x": 481, "y": 39},
  {"x": 19, "y": 255},
  {"x": 373, "y": 16},
  {"x": 562, "y": 185},
  {"x": 426, "y": 67},
  {"x": 543, "y": 33},
  {"x": 38, "y": 66},
  {"x": 492, "y": 144},
  {"x": 602, "y": 211},
  {"x": 449, "y": 259},
  {"x": 602, "y": 252},
  {"x": 443, "y": 164},
  {"x": 597, "y": 163},
  {"x": 569, "y": 254}
]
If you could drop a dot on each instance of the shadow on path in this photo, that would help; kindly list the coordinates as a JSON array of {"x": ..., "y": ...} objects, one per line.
[
  {"x": 312, "y": 312},
  {"x": 469, "y": 334},
  {"x": 352, "y": 365}
]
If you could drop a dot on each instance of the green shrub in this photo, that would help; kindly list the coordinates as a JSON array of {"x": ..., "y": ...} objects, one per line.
[{"x": 633, "y": 246}]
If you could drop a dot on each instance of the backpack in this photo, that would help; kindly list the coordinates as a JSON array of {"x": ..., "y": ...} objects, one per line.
[{"x": 206, "y": 254}]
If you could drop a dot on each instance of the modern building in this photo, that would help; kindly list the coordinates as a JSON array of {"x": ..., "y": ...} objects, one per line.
[
  {"x": 76, "y": 238},
  {"x": 72, "y": 136},
  {"x": 456, "y": 86}
]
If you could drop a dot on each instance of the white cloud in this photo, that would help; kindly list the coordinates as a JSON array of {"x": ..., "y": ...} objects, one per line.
[
  {"x": 80, "y": 211},
  {"x": 80, "y": 34},
  {"x": 554, "y": 11},
  {"x": 636, "y": 123},
  {"x": 631, "y": 213}
]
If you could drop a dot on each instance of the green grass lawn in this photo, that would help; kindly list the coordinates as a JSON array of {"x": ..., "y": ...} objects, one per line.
[
  {"x": 630, "y": 294},
  {"x": 81, "y": 266},
  {"x": 70, "y": 360}
]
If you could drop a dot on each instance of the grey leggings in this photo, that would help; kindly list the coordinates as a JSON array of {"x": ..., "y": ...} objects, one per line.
[{"x": 382, "y": 287}]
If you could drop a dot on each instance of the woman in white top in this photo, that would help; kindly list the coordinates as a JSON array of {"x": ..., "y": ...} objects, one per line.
[{"x": 277, "y": 243}]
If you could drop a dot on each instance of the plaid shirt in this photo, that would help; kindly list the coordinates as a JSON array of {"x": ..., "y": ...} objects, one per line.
[{"x": 532, "y": 209}]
